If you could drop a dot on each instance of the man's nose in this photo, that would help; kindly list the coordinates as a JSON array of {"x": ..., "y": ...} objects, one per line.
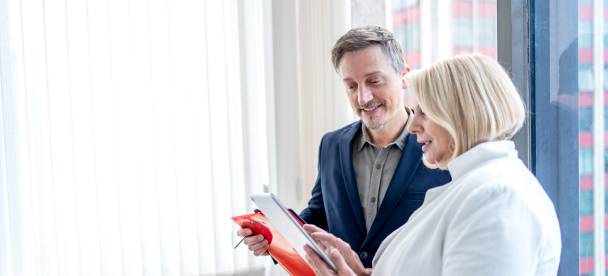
[{"x": 364, "y": 95}]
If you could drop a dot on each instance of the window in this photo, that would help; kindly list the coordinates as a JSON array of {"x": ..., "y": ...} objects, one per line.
[
  {"x": 130, "y": 133},
  {"x": 462, "y": 34},
  {"x": 591, "y": 132},
  {"x": 406, "y": 27},
  {"x": 431, "y": 30}
]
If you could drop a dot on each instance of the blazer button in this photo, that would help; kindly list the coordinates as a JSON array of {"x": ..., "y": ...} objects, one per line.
[{"x": 363, "y": 255}]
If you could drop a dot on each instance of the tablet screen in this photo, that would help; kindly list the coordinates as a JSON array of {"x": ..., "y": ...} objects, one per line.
[{"x": 282, "y": 220}]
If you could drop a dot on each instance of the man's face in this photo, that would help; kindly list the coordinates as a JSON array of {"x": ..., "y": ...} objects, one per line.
[{"x": 373, "y": 87}]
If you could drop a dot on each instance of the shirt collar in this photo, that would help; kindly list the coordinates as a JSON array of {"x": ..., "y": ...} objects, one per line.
[
  {"x": 399, "y": 142},
  {"x": 480, "y": 155}
]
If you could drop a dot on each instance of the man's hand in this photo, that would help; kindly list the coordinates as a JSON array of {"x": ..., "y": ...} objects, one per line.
[
  {"x": 343, "y": 253},
  {"x": 256, "y": 243}
]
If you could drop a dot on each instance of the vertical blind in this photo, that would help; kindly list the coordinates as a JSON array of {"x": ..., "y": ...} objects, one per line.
[{"x": 126, "y": 128}]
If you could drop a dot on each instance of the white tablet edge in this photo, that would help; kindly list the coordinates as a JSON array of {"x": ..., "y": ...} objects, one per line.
[{"x": 276, "y": 203}]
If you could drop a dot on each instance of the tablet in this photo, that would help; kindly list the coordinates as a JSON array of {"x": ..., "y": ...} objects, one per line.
[{"x": 288, "y": 226}]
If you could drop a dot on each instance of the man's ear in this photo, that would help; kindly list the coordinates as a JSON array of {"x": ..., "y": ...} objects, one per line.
[{"x": 404, "y": 83}]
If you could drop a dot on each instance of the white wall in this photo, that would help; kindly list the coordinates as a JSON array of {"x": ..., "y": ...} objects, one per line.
[{"x": 309, "y": 97}]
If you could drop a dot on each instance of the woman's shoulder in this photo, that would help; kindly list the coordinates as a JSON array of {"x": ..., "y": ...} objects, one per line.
[
  {"x": 505, "y": 183},
  {"x": 506, "y": 174}
]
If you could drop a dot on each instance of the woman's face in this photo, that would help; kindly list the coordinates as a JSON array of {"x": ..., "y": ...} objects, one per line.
[{"x": 434, "y": 139}]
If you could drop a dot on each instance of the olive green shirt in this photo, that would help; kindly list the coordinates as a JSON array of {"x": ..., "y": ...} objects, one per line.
[{"x": 374, "y": 168}]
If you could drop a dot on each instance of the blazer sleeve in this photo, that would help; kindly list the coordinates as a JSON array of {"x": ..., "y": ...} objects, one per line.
[{"x": 315, "y": 212}]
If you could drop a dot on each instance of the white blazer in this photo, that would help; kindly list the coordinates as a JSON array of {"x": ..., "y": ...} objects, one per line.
[{"x": 494, "y": 218}]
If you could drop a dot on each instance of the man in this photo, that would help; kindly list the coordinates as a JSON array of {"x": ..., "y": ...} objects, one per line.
[{"x": 370, "y": 173}]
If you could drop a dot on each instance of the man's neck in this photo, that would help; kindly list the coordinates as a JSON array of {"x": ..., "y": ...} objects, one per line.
[{"x": 389, "y": 133}]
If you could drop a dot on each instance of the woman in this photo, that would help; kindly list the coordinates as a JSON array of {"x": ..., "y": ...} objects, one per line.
[{"x": 493, "y": 218}]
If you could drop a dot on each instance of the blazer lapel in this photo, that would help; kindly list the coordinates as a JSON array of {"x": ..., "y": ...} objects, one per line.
[
  {"x": 408, "y": 164},
  {"x": 348, "y": 172}
]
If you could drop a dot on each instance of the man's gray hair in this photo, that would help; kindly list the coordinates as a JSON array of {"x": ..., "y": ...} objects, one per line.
[{"x": 364, "y": 37}]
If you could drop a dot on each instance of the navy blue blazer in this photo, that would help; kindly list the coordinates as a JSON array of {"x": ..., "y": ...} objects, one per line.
[{"x": 335, "y": 204}]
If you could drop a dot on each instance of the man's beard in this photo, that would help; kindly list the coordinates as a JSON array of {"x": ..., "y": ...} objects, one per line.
[{"x": 375, "y": 123}]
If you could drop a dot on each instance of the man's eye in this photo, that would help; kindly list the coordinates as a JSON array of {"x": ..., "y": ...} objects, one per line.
[{"x": 375, "y": 82}]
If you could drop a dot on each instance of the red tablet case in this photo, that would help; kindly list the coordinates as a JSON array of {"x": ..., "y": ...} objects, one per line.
[{"x": 279, "y": 247}]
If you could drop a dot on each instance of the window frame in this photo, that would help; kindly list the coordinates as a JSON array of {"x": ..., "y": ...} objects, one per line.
[{"x": 524, "y": 37}]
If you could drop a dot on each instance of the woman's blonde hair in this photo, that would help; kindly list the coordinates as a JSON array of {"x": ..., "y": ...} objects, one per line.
[{"x": 472, "y": 98}]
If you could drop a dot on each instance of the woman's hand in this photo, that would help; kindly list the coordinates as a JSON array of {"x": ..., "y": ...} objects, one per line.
[
  {"x": 322, "y": 269},
  {"x": 346, "y": 260}
]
